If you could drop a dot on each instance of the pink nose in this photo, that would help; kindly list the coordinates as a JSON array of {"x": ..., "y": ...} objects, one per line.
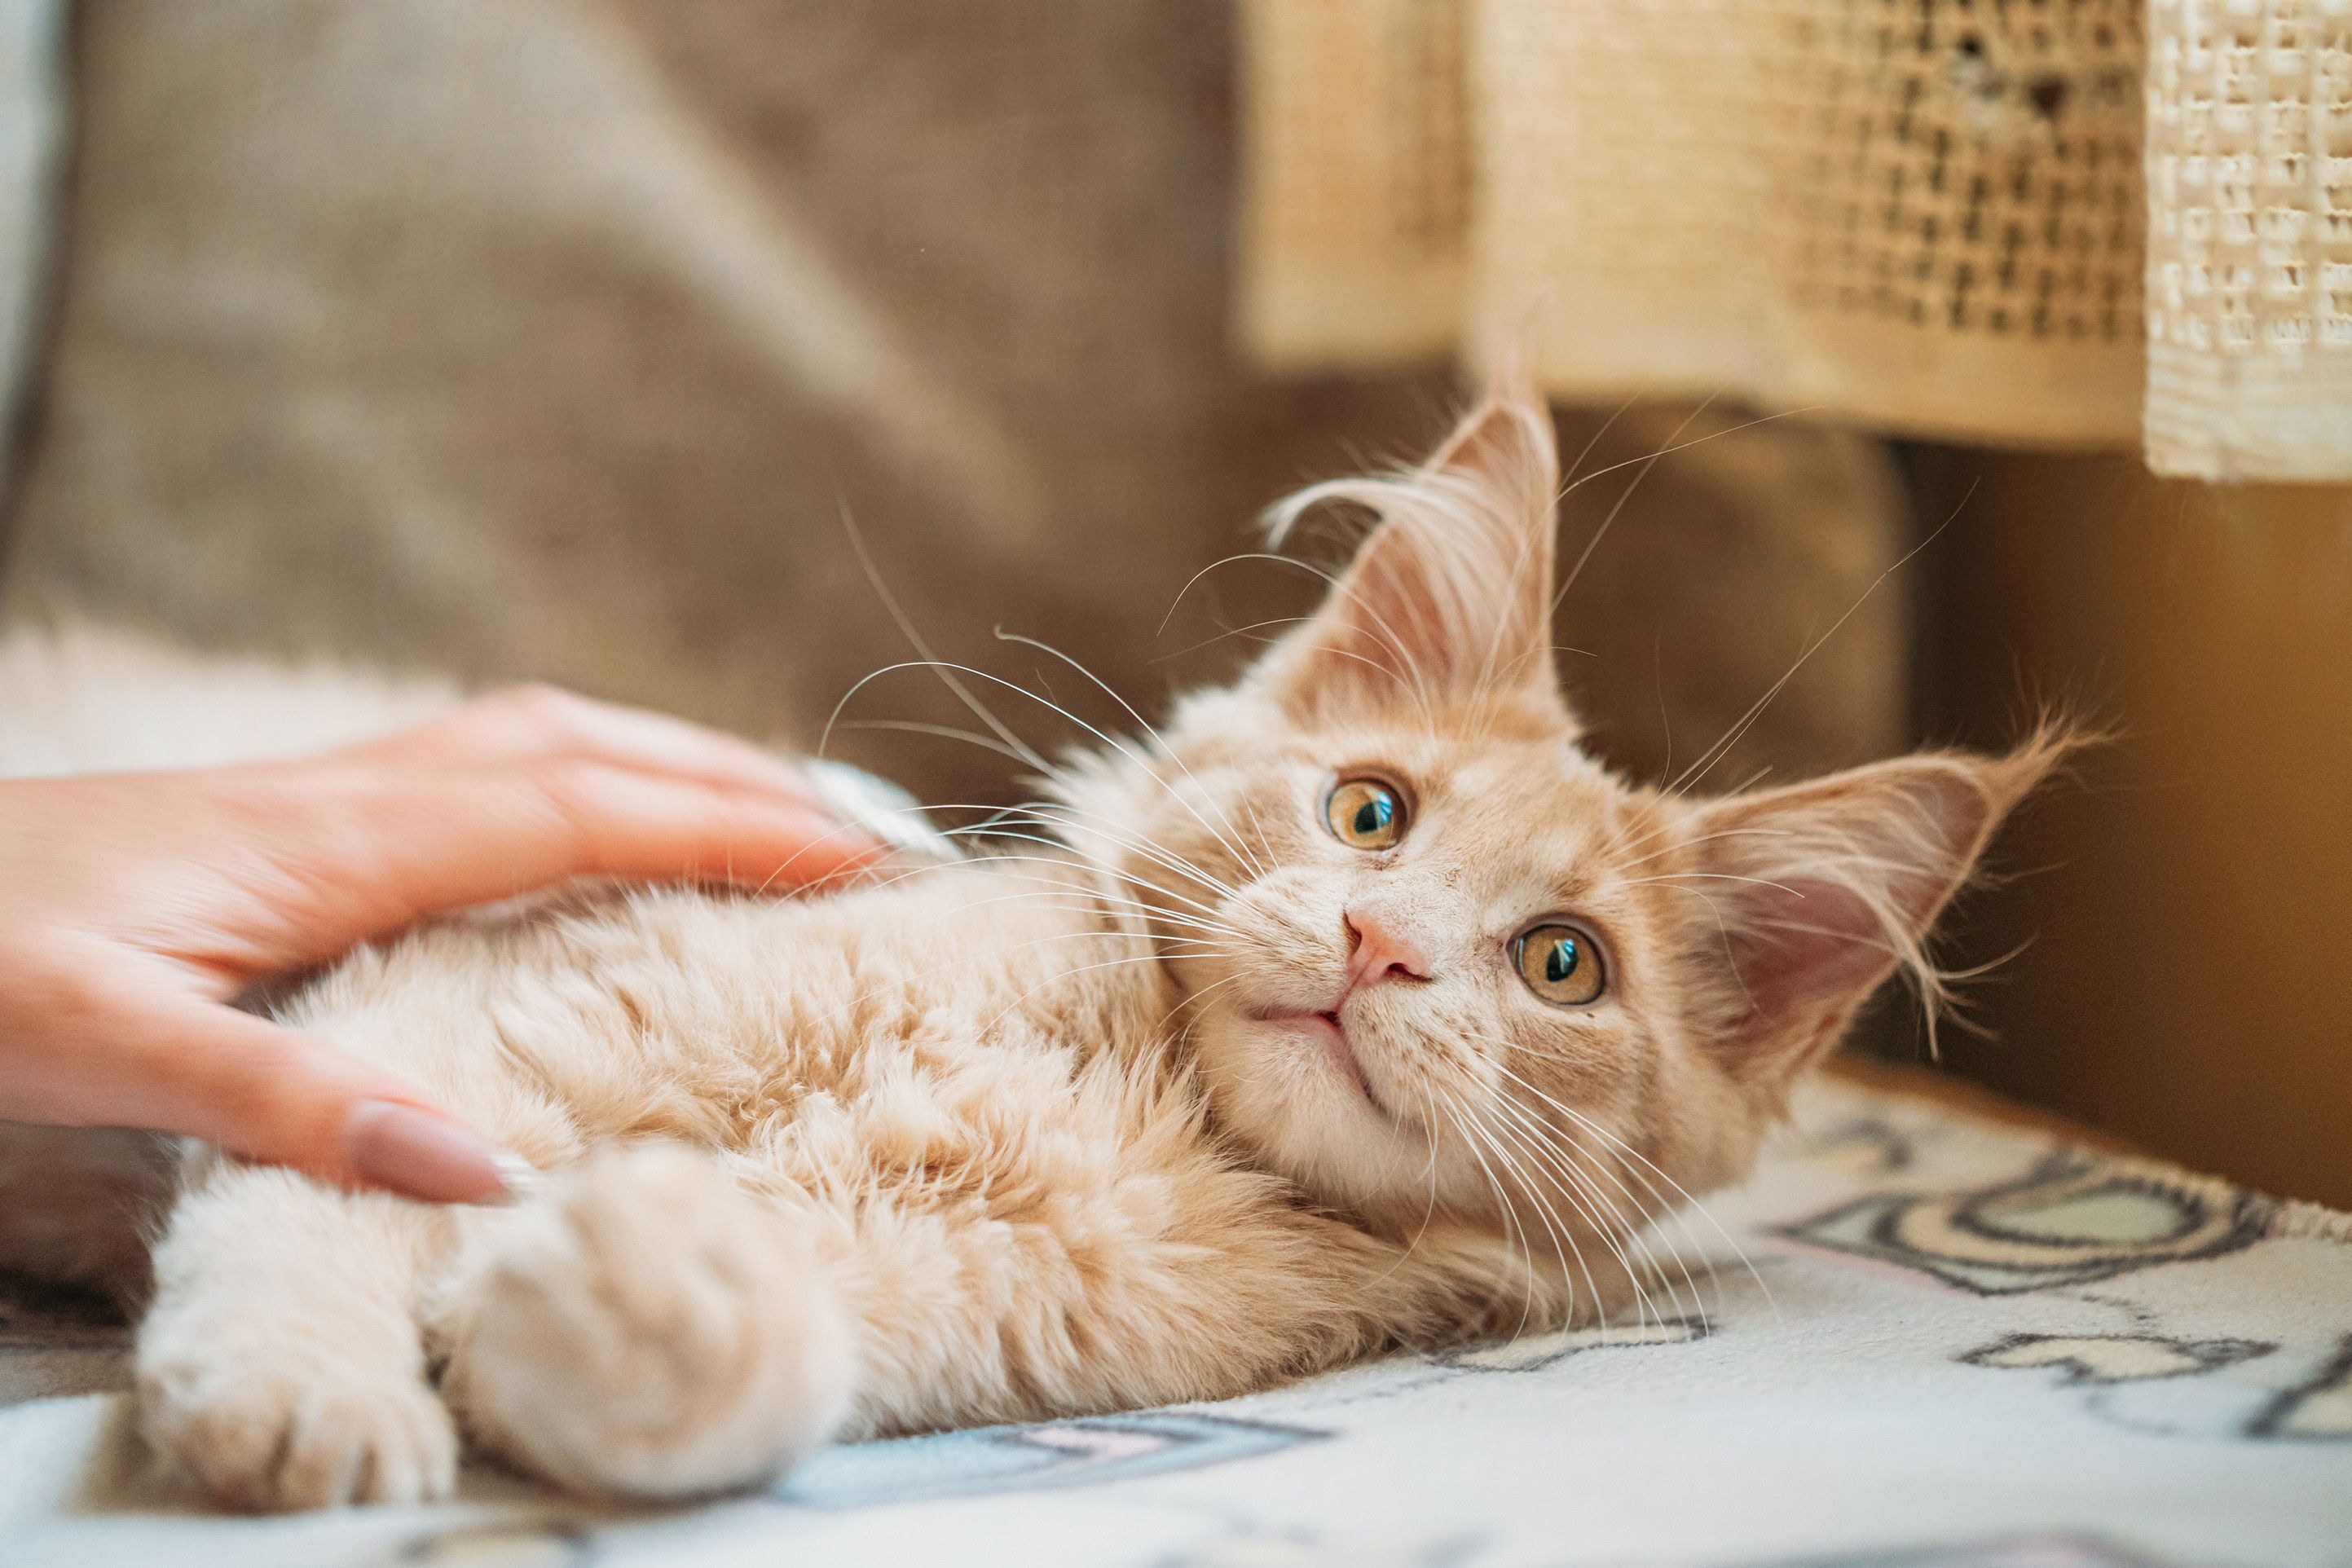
[{"x": 1376, "y": 952}]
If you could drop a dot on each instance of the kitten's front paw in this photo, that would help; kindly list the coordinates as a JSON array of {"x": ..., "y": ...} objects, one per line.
[
  {"x": 275, "y": 1425},
  {"x": 649, "y": 1328}
]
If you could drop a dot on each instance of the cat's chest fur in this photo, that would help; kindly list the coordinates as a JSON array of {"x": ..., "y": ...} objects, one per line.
[{"x": 917, "y": 1019}]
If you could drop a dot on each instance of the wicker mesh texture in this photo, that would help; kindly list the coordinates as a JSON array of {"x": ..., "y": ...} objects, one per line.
[
  {"x": 2250, "y": 238},
  {"x": 1926, "y": 214}
]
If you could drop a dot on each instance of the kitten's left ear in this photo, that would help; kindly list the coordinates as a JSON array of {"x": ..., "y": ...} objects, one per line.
[
  {"x": 1817, "y": 892},
  {"x": 1451, "y": 593}
]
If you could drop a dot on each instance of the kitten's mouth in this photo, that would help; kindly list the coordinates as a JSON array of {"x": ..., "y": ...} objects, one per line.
[{"x": 1333, "y": 1037}]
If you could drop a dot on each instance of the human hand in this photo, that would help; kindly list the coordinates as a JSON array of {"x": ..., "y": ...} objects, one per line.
[{"x": 137, "y": 905}]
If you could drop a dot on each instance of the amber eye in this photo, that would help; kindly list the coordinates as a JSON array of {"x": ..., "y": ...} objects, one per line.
[
  {"x": 1365, "y": 814},
  {"x": 1561, "y": 964}
]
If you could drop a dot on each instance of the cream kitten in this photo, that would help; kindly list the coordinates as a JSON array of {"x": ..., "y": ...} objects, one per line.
[{"x": 1357, "y": 1008}]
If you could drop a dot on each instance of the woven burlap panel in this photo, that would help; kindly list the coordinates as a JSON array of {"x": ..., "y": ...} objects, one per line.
[
  {"x": 2250, "y": 238},
  {"x": 1355, "y": 180},
  {"x": 1928, "y": 217}
]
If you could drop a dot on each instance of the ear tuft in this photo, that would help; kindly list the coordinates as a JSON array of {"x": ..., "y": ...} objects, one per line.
[
  {"x": 1820, "y": 891},
  {"x": 1451, "y": 591}
]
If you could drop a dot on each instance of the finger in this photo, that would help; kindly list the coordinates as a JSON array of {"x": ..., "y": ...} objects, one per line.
[
  {"x": 474, "y": 838},
  {"x": 269, "y": 1094},
  {"x": 536, "y": 721},
  {"x": 639, "y": 826}
]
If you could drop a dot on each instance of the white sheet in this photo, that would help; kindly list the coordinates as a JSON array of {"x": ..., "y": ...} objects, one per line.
[{"x": 1961, "y": 1345}]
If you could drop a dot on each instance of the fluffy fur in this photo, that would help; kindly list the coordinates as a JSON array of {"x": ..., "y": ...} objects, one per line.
[{"x": 1114, "y": 1114}]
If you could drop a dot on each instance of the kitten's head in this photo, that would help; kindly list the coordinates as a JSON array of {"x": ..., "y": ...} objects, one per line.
[{"x": 1435, "y": 954}]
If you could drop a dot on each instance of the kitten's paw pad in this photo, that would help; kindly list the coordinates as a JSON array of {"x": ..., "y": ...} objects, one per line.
[
  {"x": 651, "y": 1329},
  {"x": 279, "y": 1429}
]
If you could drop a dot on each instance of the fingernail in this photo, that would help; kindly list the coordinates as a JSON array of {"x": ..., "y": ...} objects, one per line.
[
  {"x": 427, "y": 1156},
  {"x": 872, "y": 810},
  {"x": 788, "y": 780},
  {"x": 520, "y": 1176}
]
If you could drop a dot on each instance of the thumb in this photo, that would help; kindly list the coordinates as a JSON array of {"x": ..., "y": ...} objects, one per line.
[{"x": 282, "y": 1098}]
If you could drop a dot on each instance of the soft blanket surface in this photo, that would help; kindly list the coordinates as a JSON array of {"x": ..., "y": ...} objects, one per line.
[{"x": 1952, "y": 1342}]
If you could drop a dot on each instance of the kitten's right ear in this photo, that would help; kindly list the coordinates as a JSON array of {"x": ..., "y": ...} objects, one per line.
[
  {"x": 1818, "y": 891},
  {"x": 1450, "y": 594}
]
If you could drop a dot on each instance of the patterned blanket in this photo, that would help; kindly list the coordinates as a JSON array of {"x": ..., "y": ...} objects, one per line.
[{"x": 1916, "y": 1338}]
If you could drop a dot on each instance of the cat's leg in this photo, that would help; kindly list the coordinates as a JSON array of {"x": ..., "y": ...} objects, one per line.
[
  {"x": 646, "y": 1326},
  {"x": 281, "y": 1364}
]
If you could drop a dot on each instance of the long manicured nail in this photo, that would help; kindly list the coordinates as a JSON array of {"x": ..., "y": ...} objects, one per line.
[
  {"x": 424, "y": 1156},
  {"x": 871, "y": 810},
  {"x": 520, "y": 1176}
]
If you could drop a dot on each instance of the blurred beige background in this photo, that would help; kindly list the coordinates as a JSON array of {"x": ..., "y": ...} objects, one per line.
[
  {"x": 558, "y": 338},
  {"x": 2185, "y": 909}
]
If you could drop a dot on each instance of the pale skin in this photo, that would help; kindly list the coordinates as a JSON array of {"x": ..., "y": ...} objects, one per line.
[{"x": 138, "y": 905}]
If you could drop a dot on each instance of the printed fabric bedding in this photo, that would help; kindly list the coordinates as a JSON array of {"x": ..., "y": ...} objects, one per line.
[{"x": 1960, "y": 1344}]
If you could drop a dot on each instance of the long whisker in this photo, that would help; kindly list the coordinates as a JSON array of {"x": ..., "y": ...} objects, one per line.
[
  {"x": 1695, "y": 841},
  {"x": 1233, "y": 632},
  {"x": 1105, "y": 738},
  {"x": 945, "y": 671},
  {"x": 1481, "y": 1137},
  {"x": 1641, "y": 1160},
  {"x": 1618, "y": 1224},
  {"x": 1243, "y": 855},
  {"x": 1426, "y": 1113},
  {"x": 1285, "y": 515},
  {"x": 1708, "y": 877},
  {"x": 1519, "y": 1139},
  {"x": 1581, "y": 1192},
  {"x": 1329, "y": 579},
  {"x": 1640, "y": 474},
  {"x": 1084, "y": 900},
  {"x": 1622, "y": 1231},
  {"x": 1071, "y": 822},
  {"x": 1466, "y": 1132},
  {"x": 1137, "y": 878},
  {"x": 1662, "y": 1204},
  {"x": 1706, "y": 760},
  {"x": 1652, "y": 458},
  {"x": 1594, "y": 439},
  {"x": 1056, "y": 817},
  {"x": 1090, "y": 899},
  {"x": 1071, "y": 861},
  {"x": 944, "y": 731}
]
